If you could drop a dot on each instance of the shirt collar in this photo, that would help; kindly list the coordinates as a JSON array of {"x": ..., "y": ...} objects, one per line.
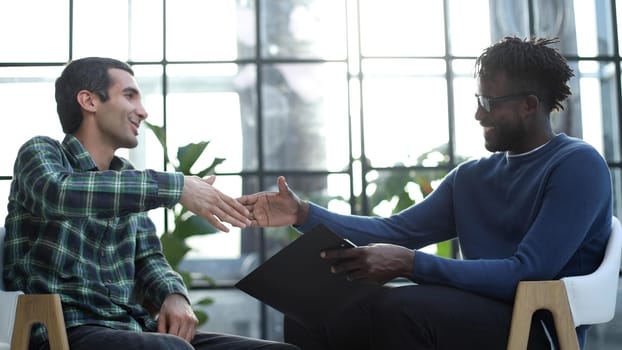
[
  {"x": 533, "y": 150},
  {"x": 83, "y": 159}
]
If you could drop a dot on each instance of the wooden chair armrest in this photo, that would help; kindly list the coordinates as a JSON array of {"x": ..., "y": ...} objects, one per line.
[{"x": 39, "y": 308}]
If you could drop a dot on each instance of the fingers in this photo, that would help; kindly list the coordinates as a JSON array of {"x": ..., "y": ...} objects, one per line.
[
  {"x": 235, "y": 208},
  {"x": 282, "y": 185},
  {"x": 186, "y": 331},
  {"x": 162, "y": 327},
  {"x": 177, "y": 318},
  {"x": 210, "y": 180},
  {"x": 216, "y": 223},
  {"x": 226, "y": 214},
  {"x": 203, "y": 199},
  {"x": 340, "y": 253},
  {"x": 248, "y": 201},
  {"x": 234, "y": 212}
]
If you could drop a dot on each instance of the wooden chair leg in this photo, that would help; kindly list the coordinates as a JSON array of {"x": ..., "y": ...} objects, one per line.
[
  {"x": 39, "y": 308},
  {"x": 537, "y": 295}
]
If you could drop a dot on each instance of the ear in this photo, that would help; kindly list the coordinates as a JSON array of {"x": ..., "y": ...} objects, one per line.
[
  {"x": 86, "y": 100},
  {"x": 531, "y": 103}
]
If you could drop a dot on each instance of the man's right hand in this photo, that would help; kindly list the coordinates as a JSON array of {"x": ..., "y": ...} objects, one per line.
[
  {"x": 201, "y": 198},
  {"x": 274, "y": 209}
]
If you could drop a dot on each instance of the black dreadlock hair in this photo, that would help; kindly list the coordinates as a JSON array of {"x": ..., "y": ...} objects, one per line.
[{"x": 531, "y": 65}]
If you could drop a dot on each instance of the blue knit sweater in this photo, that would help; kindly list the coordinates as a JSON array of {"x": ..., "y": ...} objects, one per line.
[{"x": 541, "y": 215}]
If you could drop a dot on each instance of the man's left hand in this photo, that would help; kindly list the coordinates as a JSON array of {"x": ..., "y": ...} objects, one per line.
[{"x": 377, "y": 262}]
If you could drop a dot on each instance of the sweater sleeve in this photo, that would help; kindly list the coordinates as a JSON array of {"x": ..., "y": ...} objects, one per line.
[{"x": 427, "y": 222}]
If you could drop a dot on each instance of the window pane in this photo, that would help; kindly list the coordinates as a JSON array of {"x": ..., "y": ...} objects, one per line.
[
  {"x": 330, "y": 191},
  {"x": 599, "y": 115},
  {"x": 27, "y": 100},
  {"x": 469, "y": 35},
  {"x": 508, "y": 17},
  {"x": 100, "y": 29},
  {"x": 397, "y": 27},
  {"x": 208, "y": 30},
  {"x": 203, "y": 104},
  {"x": 303, "y": 29},
  {"x": 234, "y": 312},
  {"x": 405, "y": 111},
  {"x": 593, "y": 27},
  {"x": 584, "y": 27},
  {"x": 146, "y": 26},
  {"x": 149, "y": 152},
  {"x": 305, "y": 116},
  {"x": 468, "y": 132},
  {"x": 34, "y": 31}
]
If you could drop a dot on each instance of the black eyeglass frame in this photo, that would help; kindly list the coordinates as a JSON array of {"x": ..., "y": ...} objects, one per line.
[{"x": 487, "y": 102}]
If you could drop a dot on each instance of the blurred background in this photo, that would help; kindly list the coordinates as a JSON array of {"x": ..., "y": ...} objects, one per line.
[{"x": 363, "y": 104}]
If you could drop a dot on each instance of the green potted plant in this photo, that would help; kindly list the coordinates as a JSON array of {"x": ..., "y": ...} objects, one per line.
[{"x": 185, "y": 223}]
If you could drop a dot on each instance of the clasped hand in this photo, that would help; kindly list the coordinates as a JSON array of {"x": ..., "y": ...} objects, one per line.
[
  {"x": 378, "y": 262},
  {"x": 201, "y": 198}
]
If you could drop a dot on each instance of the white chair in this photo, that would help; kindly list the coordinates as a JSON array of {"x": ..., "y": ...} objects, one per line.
[
  {"x": 573, "y": 301},
  {"x": 19, "y": 312}
]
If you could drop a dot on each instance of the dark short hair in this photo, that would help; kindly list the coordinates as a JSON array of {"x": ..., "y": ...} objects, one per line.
[
  {"x": 531, "y": 66},
  {"x": 90, "y": 73}
]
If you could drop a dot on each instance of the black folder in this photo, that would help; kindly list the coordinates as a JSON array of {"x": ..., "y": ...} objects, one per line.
[{"x": 298, "y": 282}]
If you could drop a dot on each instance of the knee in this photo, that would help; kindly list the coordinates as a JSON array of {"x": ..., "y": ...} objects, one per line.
[
  {"x": 169, "y": 342},
  {"x": 399, "y": 307}
]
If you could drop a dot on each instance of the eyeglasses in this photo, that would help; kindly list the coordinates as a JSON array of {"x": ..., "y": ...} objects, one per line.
[{"x": 488, "y": 102}]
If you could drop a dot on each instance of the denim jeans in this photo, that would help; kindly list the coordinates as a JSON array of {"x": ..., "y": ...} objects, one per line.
[
  {"x": 422, "y": 317},
  {"x": 102, "y": 338}
]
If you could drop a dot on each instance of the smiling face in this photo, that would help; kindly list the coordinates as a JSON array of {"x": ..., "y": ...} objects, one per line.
[
  {"x": 119, "y": 117},
  {"x": 504, "y": 125}
]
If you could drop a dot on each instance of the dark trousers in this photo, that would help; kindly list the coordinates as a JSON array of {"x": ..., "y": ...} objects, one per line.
[
  {"x": 415, "y": 317},
  {"x": 102, "y": 338}
]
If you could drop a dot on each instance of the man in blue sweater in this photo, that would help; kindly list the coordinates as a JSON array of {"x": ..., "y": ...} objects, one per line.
[{"x": 539, "y": 207}]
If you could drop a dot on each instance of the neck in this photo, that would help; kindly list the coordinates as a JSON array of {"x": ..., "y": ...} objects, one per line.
[
  {"x": 536, "y": 134},
  {"x": 543, "y": 137},
  {"x": 99, "y": 151}
]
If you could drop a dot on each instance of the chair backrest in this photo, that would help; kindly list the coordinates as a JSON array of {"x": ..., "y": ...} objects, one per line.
[
  {"x": 8, "y": 303},
  {"x": 592, "y": 297}
]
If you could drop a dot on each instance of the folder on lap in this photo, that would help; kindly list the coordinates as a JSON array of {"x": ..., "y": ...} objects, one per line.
[{"x": 298, "y": 282}]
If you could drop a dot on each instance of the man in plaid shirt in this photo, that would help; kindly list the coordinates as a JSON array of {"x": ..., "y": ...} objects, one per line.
[{"x": 77, "y": 223}]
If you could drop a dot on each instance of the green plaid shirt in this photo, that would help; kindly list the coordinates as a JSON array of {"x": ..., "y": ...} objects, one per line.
[{"x": 85, "y": 234}]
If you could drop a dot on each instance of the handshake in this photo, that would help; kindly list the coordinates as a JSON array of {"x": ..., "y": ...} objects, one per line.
[{"x": 265, "y": 209}]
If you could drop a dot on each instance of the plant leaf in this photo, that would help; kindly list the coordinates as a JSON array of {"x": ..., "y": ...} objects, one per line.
[
  {"x": 160, "y": 134},
  {"x": 192, "y": 226},
  {"x": 158, "y": 131},
  {"x": 186, "y": 277},
  {"x": 174, "y": 249},
  {"x": 188, "y": 155},
  {"x": 210, "y": 169},
  {"x": 205, "y": 301},
  {"x": 201, "y": 316}
]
